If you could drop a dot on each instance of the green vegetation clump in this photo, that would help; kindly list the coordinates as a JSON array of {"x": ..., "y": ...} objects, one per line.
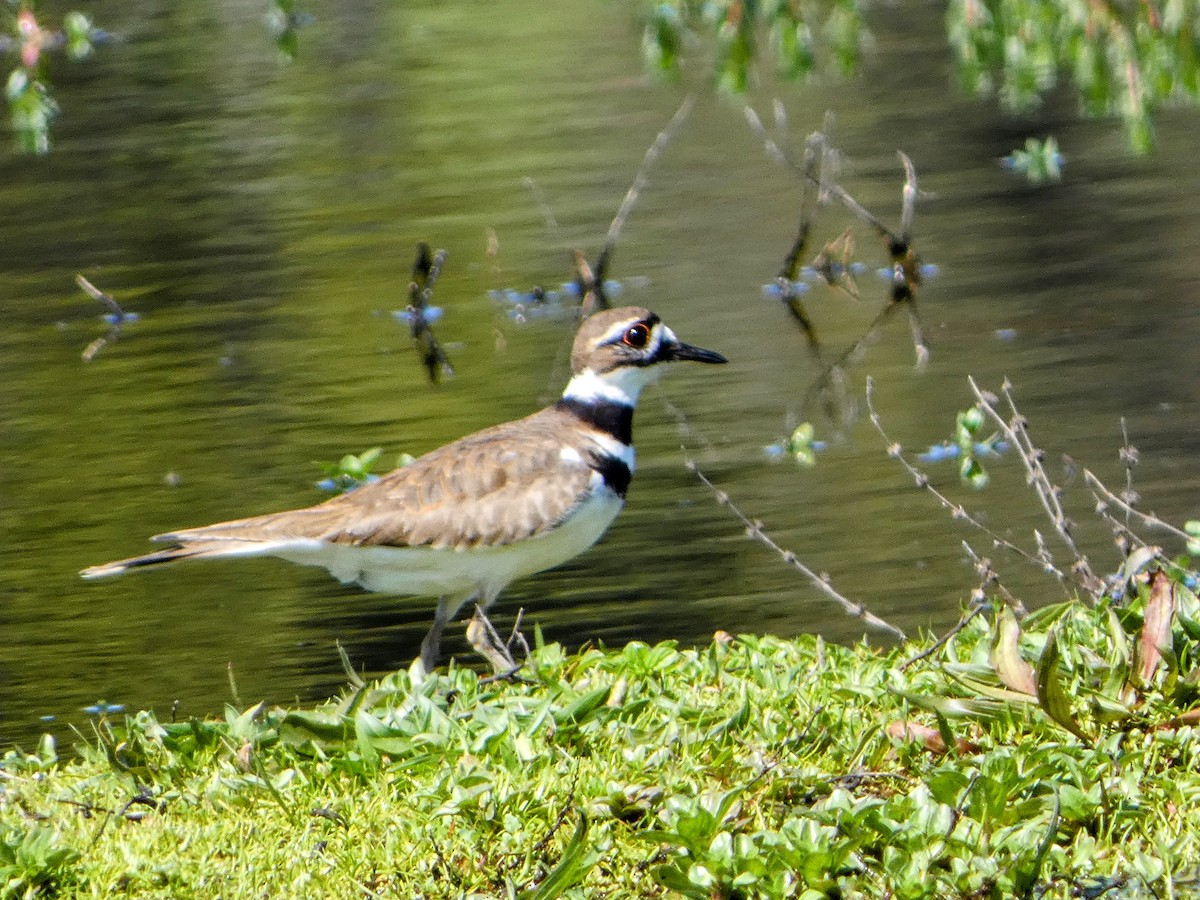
[
  {"x": 1055, "y": 757},
  {"x": 1124, "y": 60}
]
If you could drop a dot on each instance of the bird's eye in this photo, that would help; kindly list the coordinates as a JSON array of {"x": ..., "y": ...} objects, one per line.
[{"x": 637, "y": 336}]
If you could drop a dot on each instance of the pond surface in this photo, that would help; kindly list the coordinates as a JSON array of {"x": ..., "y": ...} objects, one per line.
[{"x": 261, "y": 217}]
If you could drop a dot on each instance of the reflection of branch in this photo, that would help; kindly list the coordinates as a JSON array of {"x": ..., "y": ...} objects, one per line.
[
  {"x": 426, "y": 270},
  {"x": 539, "y": 197},
  {"x": 754, "y": 530},
  {"x": 591, "y": 278},
  {"x": 116, "y": 317},
  {"x": 828, "y": 189},
  {"x": 905, "y": 266}
]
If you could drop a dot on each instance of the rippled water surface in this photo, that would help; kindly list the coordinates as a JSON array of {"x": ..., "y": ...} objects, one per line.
[{"x": 261, "y": 218}]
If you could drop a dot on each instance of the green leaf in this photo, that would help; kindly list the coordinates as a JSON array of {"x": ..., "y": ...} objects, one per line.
[
  {"x": 1006, "y": 655},
  {"x": 1050, "y": 692},
  {"x": 584, "y": 705},
  {"x": 1026, "y": 878},
  {"x": 952, "y": 707},
  {"x": 576, "y": 860}
]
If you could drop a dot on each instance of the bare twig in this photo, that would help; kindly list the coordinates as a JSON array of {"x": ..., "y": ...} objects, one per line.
[
  {"x": 591, "y": 278},
  {"x": 1017, "y": 433},
  {"x": 957, "y": 511},
  {"x": 828, "y": 189},
  {"x": 1129, "y": 458},
  {"x": 988, "y": 578},
  {"x": 141, "y": 798},
  {"x": 683, "y": 423},
  {"x": 639, "y": 180},
  {"x": 754, "y": 530},
  {"x": 503, "y": 649},
  {"x": 974, "y": 610},
  {"x": 1104, "y": 495},
  {"x": 906, "y": 270},
  {"x": 978, "y": 604}
]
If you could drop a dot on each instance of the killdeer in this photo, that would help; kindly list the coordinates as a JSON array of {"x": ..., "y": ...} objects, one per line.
[{"x": 465, "y": 520}]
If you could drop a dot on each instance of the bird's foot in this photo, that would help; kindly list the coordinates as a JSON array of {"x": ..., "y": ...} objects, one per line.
[{"x": 499, "y": 653}]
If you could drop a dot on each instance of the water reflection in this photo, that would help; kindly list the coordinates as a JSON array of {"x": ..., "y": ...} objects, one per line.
[{"x": 261, "y": 220}]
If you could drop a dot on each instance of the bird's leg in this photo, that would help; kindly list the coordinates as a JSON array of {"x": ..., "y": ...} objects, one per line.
[
  {"x": 487, "y": 643},
  {"x": 446, "y": 608}
]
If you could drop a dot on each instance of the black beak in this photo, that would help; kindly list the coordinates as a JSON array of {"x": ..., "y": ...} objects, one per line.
[{"x": 678, "y": 351}]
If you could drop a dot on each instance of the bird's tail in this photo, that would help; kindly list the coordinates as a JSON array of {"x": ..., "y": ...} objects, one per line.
[{"x": 188, "y": 551}]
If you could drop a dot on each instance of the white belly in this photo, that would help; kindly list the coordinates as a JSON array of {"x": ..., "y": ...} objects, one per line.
[{"x": 425, "y": 572}]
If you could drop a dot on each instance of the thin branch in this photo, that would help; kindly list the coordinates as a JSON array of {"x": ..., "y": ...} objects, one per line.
[
  {"x": 1104, "y": 495},
  {"x": 1017, "y": 433},
  {"x": 754, "y": 530},
  {"x": 989, "y": 578},
  {"x": 909, "y": 197},
  {"x": 830, "y": 189},
  {"x": 906, "y": 270},
  {"x": 639, "y": 180},
  {"x": 683, "y": 423},
  {"x": 591, "y": 278},
  {"x": 957, "y": 511},
  {"x": 1129, "y": 458},
  {"x": 974, "y": 610},
  {"x": 979, "y": 603}
]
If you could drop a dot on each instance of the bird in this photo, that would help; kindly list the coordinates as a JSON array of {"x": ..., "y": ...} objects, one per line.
[{"x": 464, "y": 521}]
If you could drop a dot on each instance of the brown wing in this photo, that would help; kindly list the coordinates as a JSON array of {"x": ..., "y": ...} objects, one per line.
[{"x": 496, "y": 486}]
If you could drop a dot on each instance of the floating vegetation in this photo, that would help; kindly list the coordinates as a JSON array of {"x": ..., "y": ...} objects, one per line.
[
  {"x": 810, "y": 276},
  {"x": 284, "y": 21},
  {"x": 103, "y": 708},
  {"x": 431, "y": 314},
  {"x": 1039, "y": 161},
  {"x": 801, "y": 445},
  {"x": 354, "y": 470}
]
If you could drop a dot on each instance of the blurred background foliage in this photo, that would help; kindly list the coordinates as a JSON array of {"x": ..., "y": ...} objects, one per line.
[{"x": 1123, "y": 58}]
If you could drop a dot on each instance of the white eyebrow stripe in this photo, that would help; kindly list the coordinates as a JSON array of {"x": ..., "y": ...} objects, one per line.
[{"x": 657, "y": 332}]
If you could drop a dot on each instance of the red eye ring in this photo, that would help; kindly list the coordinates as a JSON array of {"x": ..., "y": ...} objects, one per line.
[{"x": 637, "y": 337}]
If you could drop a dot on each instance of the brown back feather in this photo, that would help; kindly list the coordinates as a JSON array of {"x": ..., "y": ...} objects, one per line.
[{"x": 473, "y": 492}]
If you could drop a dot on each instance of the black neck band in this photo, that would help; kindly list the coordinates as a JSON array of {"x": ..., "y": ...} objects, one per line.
[{"x": 615, "y": 419}]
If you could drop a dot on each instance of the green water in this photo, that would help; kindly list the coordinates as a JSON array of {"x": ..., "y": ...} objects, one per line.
[{"x": 261, "y": 218}]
